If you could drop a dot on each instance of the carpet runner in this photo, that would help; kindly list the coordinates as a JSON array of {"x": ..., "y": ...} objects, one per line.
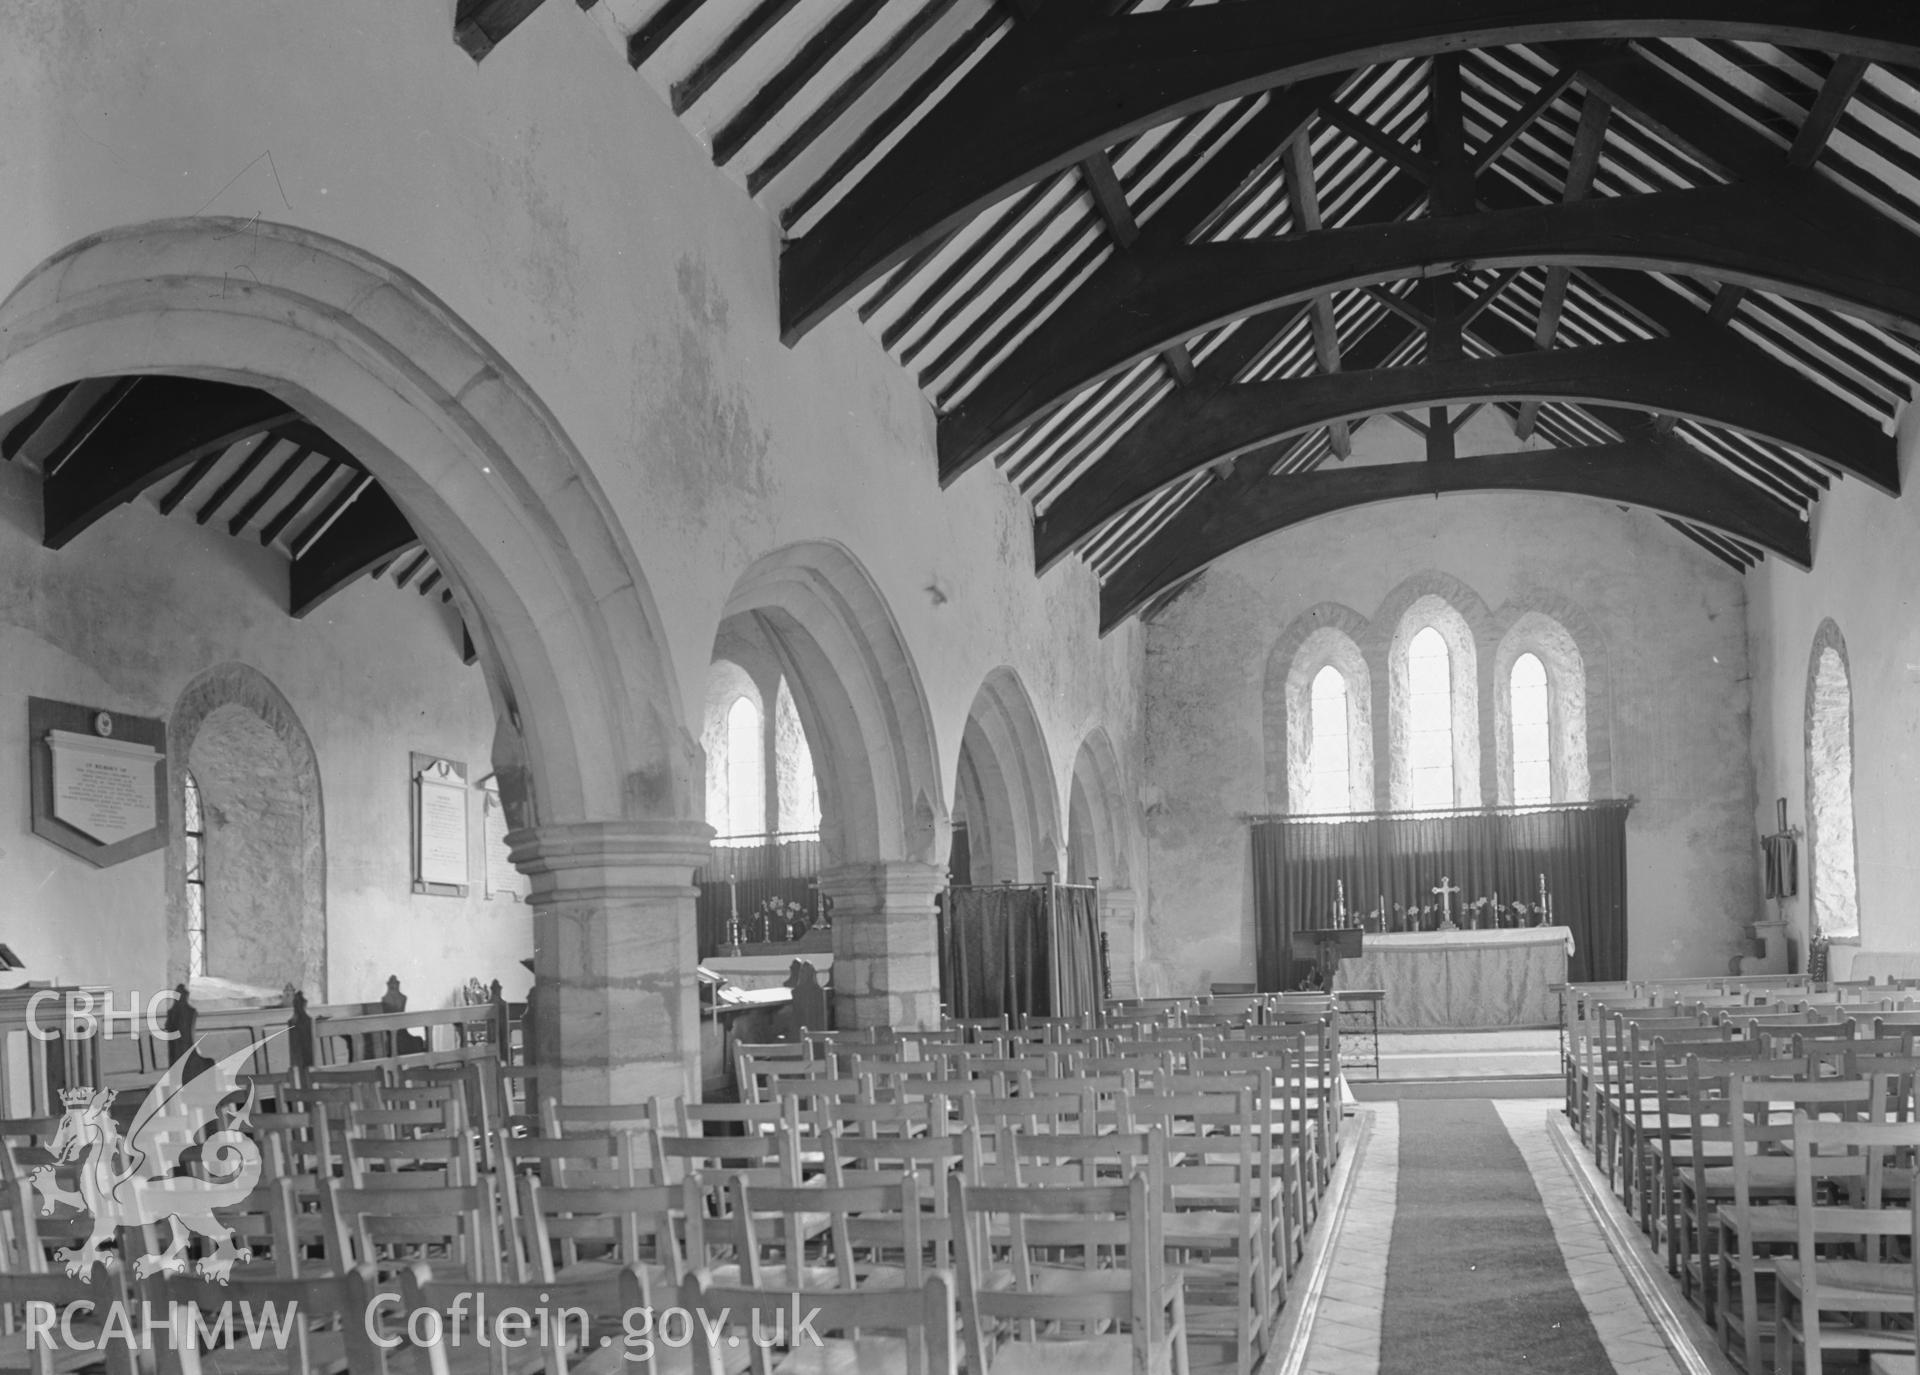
[{"x": 1475, "y": 1280}]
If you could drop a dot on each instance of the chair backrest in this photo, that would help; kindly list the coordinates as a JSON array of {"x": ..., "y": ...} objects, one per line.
[
  {"x": 390, "y": 1229},
  {"x": 1003, "y": 1297},
  {"x": 881, "y": 1219},
  {"x": 311, "y": 1321},
  {"x": 631, "y": 1225},
  {"x": 918, "y": 1321}
]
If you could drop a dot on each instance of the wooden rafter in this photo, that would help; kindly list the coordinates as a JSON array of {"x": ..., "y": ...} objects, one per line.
[
  {"x": 159, "y": 426},
  {"x": 1303, "y": 199},
  {"x": 847, "y": 94},
  {"x": 480, "y": 25},
  {"x": 376, "y": 531},
  {"x": 302, "y": 499},
  {"x": 821, "y": 47},
  {"x": 1028, "y": 109},
  {"x": 1655, "y": 473},
  {"x": 1189, "y": 431},
  {"x": 1778, "y": 232},
  {"x": 1587, "y": 142}
]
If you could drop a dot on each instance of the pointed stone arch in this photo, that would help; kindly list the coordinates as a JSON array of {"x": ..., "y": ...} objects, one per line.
[
  {"x": 860, "y": 700},
  {"x": 1096, "y": 839},
  {"x": 550, "y": 587},
  {"x": 1006, "y": 751},
  {"x": 596, "y": 764}
]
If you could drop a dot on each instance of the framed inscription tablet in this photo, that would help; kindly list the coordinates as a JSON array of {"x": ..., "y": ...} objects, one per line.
[
  {"x": 440, "y": 856},
  {"x": 99, "y": 780}
]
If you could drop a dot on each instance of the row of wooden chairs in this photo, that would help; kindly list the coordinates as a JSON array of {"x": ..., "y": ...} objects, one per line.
[
  {"x": 1196, "y": 1166},
  {"x": 1765, "y": 1140}
]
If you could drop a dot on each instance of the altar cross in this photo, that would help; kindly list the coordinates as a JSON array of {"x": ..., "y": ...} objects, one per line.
[{"x": 1445, "y": 893}]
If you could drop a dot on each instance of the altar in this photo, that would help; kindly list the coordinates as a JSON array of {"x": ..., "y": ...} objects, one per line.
[{"x": 1436, "y": 980}]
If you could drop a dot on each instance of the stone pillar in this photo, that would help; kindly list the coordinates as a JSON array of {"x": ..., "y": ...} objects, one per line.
[
  {"x": 886, "y": 966},
  {"x": 616, "y": 1003},
  {"x": 1119, "y": 922}
]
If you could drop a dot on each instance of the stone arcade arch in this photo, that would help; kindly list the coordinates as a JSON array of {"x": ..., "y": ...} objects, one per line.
[
  {"x": 884, "y": 825},
  {"x": 596, "y": 766},
  {"x": 1096, "y": 848},
  {"x": 1004, "y": 749},
  {"x": 256, "y": 765}
]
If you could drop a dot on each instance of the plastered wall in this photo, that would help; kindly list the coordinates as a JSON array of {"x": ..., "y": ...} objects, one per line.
[
  {"x": 551, "y": 199},
  {"x": 129, "y": 614},
  {"x": 1672, "y": 620},
  {"x": 1865, "y": 575}
]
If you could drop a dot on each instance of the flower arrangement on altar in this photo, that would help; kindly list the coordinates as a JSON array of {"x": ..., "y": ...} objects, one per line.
[{"x": 779, "y": 919}]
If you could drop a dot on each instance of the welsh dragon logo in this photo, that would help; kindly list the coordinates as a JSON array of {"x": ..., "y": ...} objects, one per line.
[{"x": 145, "y": 1177}]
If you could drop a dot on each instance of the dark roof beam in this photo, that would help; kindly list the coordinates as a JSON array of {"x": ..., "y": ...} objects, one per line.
[
  {"x": 1304, "y": 200},
  {"x": 1658, "y": 474},
  {"x": 1037, "y": 104},
  {"x": 1792, "y": 233},
  {"x": 1588, "y": 139},
  {"x": 370, "y": 532},
  {"x": 1190, "y": 431},
  {"x": 161, "y": 425}
]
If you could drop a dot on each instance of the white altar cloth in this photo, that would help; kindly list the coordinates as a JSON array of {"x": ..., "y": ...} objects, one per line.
[{"x": 1437, "y": 980}]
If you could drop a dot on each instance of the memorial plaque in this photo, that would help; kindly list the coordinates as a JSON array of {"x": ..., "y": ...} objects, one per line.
[
  {"x": 99, "y": 780},
  {"x": 103, "y": 788},
  {"x": 439, "y": 826}
]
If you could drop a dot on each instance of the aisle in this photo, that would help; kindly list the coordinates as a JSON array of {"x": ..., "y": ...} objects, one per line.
[{"x": 1467, "y": 1248}]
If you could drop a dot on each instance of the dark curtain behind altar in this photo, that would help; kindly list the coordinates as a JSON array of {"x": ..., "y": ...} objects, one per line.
[
  {"x": 1006, "y": 950},
  {"x": 1399, "y": 860}
]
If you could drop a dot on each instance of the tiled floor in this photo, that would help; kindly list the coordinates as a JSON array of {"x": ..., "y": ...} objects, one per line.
[
  {"x": 1345, "y": 1339},
  {"x": 1345, "y": 1336}
]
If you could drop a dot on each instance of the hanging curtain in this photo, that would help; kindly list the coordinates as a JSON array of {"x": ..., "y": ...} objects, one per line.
[
  {"x": 1074, "y": 919},
  {"x": 994, "y": 951},
  {"x": 1302, "y": 866},
  {"x": 1007, "y": 951}
]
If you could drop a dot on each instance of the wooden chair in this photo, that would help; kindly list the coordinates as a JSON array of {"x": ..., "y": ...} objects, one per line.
[
  {"x": 1022, "y": 1314},
  {"x": 1756, "y": 1215},
  {"x": 318, "y": 1325},
  {"x": 1225, "y": 1237},
  {"x": 846, "y": 1330},
  {"x": 1876, "y": 1282},
  {"x": 454, "y": 1227},
  {"x": 573, "y": 1230},
  {"x": 39, "y": 1347}
]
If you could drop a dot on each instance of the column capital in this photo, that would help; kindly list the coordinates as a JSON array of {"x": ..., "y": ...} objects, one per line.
[
  {"x": 890, "y": 882},
  {"x": 609, "y": 858}
]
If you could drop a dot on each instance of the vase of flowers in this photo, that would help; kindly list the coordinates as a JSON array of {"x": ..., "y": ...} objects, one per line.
[{"x": 779, "y": 919}]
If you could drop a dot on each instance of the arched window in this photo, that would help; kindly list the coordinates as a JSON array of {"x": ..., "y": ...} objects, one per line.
[
  {"x": 1430, "y": 720},
  {"x": 796, "y": 788},
  {"x": 195, "y": 829},
  {"x": 1320, "y": 692},
  {"x": 1835, "y": 884},
  {"x": 1532, "y": 731},
  {"x": 1540, "y": 718},
  {"x": 746, "y": 773},
  {"x": 1330, "y": 749}
]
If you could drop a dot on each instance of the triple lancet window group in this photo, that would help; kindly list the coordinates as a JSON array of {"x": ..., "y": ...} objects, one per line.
[{"x": 1424, "y": 732}]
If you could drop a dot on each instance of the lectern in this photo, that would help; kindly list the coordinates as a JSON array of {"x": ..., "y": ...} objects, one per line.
[{"x": 1332, "y": 945}]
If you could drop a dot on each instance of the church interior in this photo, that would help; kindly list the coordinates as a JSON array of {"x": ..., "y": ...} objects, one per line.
[{"x": 1278, "y": 628}]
